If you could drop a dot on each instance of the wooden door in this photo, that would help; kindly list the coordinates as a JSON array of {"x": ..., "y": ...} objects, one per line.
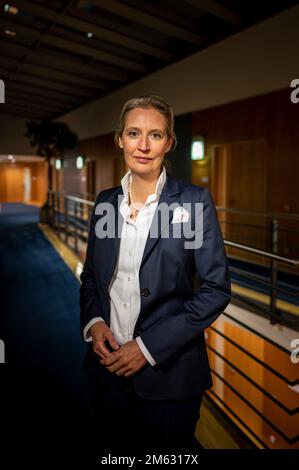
[
  {"x": 14, "y": 179},
  {"x": 239, "y": 182}
]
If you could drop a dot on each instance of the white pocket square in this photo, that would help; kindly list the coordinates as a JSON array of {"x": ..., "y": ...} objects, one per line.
[{"x": 180, "y": 215}]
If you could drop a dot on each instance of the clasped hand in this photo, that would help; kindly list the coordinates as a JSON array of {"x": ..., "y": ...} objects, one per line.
[{"x": 124, "y": 360}]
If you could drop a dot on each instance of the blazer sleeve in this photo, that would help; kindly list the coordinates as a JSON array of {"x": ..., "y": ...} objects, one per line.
[
  {"x": 89, "y": 296},
  {"x": 166, "y": 337}
]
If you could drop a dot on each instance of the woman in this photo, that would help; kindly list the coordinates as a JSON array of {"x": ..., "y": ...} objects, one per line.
[{"x": 146, "y": 361}]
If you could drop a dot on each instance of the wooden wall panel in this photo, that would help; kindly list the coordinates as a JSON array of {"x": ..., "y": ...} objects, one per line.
[
  {"x": 271, "y": 118},
  {"x": 109, "y": 162},
  {"x": 12, "y": 182},
  {"x": 234, "y": 129},
  {"x": 14, "y": 176}
]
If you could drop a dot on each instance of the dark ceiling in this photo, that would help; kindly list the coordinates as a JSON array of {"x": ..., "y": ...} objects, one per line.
[{"x": 57, "y": 55}]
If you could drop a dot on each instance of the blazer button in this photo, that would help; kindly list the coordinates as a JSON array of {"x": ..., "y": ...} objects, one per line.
[{"x": 145, "y": 292}]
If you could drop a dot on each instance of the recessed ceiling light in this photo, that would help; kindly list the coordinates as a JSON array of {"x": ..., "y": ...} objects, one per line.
[
  {"x": 10, "y": 9},
  {"x": 9, "y": 32},
  {"x": 89, "y": 35}
]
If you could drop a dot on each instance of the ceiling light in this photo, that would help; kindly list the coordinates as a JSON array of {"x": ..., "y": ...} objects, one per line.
[
  {"x": 10, "y": 157},
  {"x": 10, "y": 33},
  {"x": 10, "y": 9},
  {"x": 89, "y": 35}
]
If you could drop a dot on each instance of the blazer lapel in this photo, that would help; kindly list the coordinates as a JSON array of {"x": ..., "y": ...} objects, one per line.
[
  {"x": 114, "y": 242},
  {"x": 169, "y": 191}
]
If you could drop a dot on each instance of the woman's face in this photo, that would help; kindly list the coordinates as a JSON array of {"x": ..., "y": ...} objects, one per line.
[{"x": 144, "y": 140}]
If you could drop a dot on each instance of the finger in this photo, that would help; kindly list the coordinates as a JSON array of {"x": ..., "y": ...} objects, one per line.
[
  {"x": 96, "y": 350},
  {"x": 112, "y": 341},
  {"x": 109, "y": 361},
  {"x": 101, "y": 349},
  {"x": 115, "y": 367},
  {"x": 129, "y": 373},
  {"x": 133, "y": 369},
  {"x": 123, "y": 371}
]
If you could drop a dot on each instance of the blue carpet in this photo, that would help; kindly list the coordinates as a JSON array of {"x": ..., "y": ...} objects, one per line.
[
  {"x": 14, "y": 215},
  {"x": 47, "y": 405}
]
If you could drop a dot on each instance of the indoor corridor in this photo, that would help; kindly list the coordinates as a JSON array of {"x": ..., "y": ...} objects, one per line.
[
  {"x": 254, "y": 402},
  {"x": 46, "y": 393},
  {"x": 194, "y": 103}
]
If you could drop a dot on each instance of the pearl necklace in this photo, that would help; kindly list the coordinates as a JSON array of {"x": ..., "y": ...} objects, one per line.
[{"x": 137, "y": 209}]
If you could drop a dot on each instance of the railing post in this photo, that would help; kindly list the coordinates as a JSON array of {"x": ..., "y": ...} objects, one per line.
[
  {"x": 52, "y": 210},
  {"x": 58, "y": 215},
  {"x": 48, "y": 207},
  {"x": 273, "y": 271},
  {"x": 55, "y": 211},
  {"x": 48, "y": 204},
  {"x": 76, "y": 227},
  {"x": 66, "y": 219}
]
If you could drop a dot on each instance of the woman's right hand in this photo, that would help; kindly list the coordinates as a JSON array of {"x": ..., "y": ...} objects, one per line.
[{"x": 100, "y": 332}]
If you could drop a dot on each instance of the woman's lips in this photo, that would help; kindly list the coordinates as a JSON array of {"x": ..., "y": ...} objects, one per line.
[{"x": 143, "y": 159}]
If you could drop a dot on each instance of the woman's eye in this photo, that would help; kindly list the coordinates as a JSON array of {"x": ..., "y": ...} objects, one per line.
[
  {"x": 132, "y": 133},
  {"x": 157, "y": 135}
]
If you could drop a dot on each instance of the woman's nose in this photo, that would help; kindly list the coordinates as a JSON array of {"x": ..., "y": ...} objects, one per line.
[{"x": 143, "y": 144}]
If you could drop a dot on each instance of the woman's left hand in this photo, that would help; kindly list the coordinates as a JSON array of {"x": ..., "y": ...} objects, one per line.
[{"x": 127, "y": 360}]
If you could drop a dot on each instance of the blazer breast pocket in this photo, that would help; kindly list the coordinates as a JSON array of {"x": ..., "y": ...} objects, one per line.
[{"x": 180, "y": 215}]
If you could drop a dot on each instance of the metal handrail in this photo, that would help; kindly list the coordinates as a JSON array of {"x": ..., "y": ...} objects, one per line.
[
  {"x": 69, "y": 215},
  {"x": 79, "y": 200},
  {"x": 260, "y": 280},
  {"x": 266, "y": 254},
  {"x": 64, "y": 191},
  {"x": 276, "y": 215}
]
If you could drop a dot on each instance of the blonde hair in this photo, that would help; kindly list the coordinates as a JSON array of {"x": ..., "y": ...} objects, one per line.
[{"x": 146, "y": 102}]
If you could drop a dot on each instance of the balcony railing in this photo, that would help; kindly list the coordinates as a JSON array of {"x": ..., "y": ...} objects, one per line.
[
  {"x": 255, "y": 381},
  {"x": 69, "y": 216}
]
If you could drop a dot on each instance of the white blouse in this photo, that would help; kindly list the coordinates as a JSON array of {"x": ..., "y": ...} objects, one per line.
[{"x": 124, "y": 288}]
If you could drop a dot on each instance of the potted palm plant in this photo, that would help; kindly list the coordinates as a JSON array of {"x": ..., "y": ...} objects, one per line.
[{"x": 51, "y": 139}]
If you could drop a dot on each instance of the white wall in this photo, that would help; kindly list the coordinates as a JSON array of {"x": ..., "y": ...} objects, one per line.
[{"x": 259, "y": 60}]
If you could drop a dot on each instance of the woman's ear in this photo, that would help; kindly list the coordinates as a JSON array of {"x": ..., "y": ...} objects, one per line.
[
  {"x": 120, "y": 143},
  {"x": 169, "y": 144}
]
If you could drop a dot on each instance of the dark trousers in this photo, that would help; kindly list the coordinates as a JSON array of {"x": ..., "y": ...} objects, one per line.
[{"x": 126, "y": 422}]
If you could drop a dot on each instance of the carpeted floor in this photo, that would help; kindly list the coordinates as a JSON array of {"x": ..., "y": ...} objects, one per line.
[{"x": 46, "y": 404}]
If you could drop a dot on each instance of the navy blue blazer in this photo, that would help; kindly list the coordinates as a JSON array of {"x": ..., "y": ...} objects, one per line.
[{"x": 173, "y": 315}]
